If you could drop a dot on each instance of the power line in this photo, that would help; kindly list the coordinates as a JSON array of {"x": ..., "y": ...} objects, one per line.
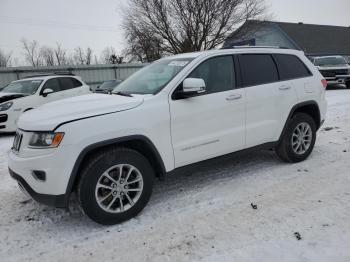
[{"x": 52, "y": 23}]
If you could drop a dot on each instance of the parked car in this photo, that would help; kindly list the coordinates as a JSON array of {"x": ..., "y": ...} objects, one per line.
[
  {"x": 335, "y": 69},
  {"x": 26, "y": 94},
  {"x": 176, "y": 112},
  {"x": 107, "y": 86}
]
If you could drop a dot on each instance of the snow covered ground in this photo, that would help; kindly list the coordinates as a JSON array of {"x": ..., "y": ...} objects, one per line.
[{"x": 206, "y": 214}]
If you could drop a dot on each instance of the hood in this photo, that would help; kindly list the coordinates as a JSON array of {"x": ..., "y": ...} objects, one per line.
[
  {"x": 4, "y": 97},
  {"x": 49, "y": 116}
]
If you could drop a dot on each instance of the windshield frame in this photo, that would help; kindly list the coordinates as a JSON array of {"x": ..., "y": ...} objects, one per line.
[
  {"x": 166, "y": 62},
  {"x": 23, "y": 80}
]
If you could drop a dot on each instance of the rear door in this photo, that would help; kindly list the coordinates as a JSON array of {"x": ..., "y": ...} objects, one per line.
[
  {"x": 293, "y": 69},
  {"x": 55, "y": 86},
  {"x": 71, "y": 87},
  {"x": 268, "y": 98}
]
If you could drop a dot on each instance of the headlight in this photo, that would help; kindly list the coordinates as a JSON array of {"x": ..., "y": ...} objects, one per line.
[
  {"x": 6, "y": 105},
  {"x": 45, "y": 140}
]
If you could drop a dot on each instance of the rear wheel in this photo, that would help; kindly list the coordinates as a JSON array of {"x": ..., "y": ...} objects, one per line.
[
  {"x": 298, "y": 140},
  {"x": 115, "y": 186},
  {"x": 348, "y": 84}
]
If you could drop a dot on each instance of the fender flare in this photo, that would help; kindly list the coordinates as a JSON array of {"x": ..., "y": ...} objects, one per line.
[
  {"x": 90, "y": 148},
  {"x": 292, "y": 111}
]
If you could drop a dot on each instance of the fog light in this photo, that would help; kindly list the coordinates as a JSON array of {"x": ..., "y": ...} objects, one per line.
[{"x": 39, "y": 175}]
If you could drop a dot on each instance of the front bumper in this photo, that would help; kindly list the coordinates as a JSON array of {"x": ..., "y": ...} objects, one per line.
[
  {"x": 338, "y": 79},
  {"x": 50, "y": 200},
  {"x": 56, "y": 166}
]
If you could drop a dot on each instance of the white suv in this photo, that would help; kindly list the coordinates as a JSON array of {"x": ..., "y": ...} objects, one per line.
[
  {"x": 31, "y": 92},
  {"x": 175, "y": 112}
]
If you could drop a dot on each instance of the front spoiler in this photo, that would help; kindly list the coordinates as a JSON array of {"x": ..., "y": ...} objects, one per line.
[{"x": 50, "y": 200}]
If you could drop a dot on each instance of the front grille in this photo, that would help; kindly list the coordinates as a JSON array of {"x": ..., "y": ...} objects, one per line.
[
  {"x": 3, "y": 118},
  {"x": 342, "y": 72},
  {"x": 333, "y": 73},
  {"x": 328, "y": 73}
]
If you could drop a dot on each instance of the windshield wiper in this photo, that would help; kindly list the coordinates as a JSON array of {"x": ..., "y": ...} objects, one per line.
[{"x": 121, "y": 93}]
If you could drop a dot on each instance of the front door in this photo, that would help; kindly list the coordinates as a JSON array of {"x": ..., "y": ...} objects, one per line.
[{"x": 212, "y": 123}]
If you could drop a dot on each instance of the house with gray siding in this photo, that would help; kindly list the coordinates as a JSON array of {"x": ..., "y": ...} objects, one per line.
[{"x": 314, "y": 40}]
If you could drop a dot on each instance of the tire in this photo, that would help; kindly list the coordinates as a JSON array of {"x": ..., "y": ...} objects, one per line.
[
  {"x": 287, "y": 149},
  {"x": 348, "y": 85},
  {"x": 109, "y": 163}
]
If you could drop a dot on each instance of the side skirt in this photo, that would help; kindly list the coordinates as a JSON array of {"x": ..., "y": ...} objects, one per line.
[{"x": 266, "y": 146}]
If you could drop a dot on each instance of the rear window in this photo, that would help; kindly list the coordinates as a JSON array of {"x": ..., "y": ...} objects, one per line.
[
  {"x": 69, "y": 83},
  {"x": 291, "y": 67},
  {"x": 76, "y": 82},
  {"x": 258, "y": 69}
]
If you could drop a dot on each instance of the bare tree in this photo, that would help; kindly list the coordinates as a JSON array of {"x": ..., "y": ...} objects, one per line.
[
  {"x": 82, "y": 57},
  {"x": 142, "y": 44},
  {"x": 109, "y": 56},
  {"x": 79, "y": 56},
  {"x": 5, "y": 58},
  {"x": 48, "y": 56},
  {"x": 32, "y": 53},
  {"x": 88, "y": 56},
  {"x": 60, "y": 55},
  {"x": 179, "y": 26}
]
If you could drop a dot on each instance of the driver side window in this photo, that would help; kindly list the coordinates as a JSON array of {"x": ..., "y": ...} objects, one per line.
[
  {"x": 52, "y": 84},
  {"x": 218, "y": 74}
]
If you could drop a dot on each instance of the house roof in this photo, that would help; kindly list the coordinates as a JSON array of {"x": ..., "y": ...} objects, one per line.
[
  {"x": 313, "y": 39},
  {"x": 319, "y": 39}
]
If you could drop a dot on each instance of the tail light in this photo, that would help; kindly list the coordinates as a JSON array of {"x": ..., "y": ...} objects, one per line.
[{"x": 324, "y": 83}]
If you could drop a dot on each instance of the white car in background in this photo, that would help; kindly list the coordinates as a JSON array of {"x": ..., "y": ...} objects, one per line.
[{"x": 26, "y": 94}]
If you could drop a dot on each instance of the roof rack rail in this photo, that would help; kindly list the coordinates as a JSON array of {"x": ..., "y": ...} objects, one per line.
[
  {"x": 65, "y": 73},
  {"x": 61, "y": 73},
  {"x": 253, "y": 46}
]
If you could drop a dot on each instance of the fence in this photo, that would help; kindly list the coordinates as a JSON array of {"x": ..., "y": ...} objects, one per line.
[{"x": 93, "y": 75}]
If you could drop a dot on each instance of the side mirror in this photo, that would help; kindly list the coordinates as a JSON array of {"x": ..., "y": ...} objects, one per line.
[
  {"x": 193, "y": 86},
  {"x": 47, "y": 91},
  {"x": 190, "y": 87}
]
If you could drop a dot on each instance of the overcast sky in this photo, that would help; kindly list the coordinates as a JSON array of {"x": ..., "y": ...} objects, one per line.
[{"x": 96, "y": 24}]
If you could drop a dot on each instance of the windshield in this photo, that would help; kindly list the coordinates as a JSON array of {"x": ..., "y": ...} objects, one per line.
[
  {"x": 27, "y": 87},
  {"x": 330, "y": 61},
  {"x": 152, "y": 78},
  {"x": 110, "y": 84}
]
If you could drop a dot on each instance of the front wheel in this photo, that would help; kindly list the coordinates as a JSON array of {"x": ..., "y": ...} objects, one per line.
[
  {"x": 115, "y": 186},
  {"x": 298, "y": 140}
]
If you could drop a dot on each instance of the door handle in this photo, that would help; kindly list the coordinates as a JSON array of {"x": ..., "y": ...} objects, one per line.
[
  {"x": 284, "y": 88},
  {"x": 234, "y": 97}
]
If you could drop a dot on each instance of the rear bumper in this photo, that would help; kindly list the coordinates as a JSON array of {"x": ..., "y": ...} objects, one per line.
[{"x": 50, "y": 200}]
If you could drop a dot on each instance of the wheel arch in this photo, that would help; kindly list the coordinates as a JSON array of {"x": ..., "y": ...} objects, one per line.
[
  {"x": 140, "y": 143},
  {"x": 308, "y": 107}
]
